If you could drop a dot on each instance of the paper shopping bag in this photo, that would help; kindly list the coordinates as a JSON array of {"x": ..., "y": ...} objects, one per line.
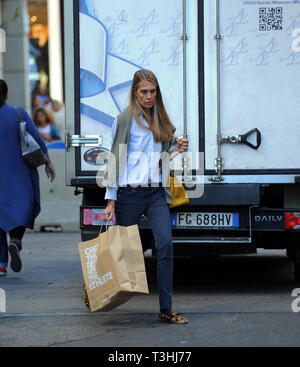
[{"x": 113, "y": 268}]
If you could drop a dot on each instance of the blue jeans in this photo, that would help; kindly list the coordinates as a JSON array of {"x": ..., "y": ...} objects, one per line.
[
  {"x": 15, "y": 234},
  {"x": 131, "y": 204}
]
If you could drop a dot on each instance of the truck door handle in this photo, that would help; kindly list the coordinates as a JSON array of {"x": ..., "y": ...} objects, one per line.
[
  {"x": 243, "y": 139},
  {"x": 246, "y": 136}
]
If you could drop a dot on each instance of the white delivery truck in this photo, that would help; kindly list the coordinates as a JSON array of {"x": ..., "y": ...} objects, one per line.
[{"x": 229, "y": 72}]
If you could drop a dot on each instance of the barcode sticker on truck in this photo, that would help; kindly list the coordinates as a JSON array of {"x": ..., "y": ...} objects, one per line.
[{"x": 271, "y": 19}]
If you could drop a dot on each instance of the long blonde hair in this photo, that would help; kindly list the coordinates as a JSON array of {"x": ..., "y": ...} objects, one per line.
[{"x": 158, "y": 119}]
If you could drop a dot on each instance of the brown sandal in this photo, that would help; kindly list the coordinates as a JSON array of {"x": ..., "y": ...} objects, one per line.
[{"x": 176, "y": 318}]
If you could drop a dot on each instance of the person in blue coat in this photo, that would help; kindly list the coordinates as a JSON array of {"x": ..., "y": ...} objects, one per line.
[{"x": 19, "y": 184}]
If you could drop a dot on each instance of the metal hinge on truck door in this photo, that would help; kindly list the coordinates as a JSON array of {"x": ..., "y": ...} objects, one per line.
[{"x": 82, "y": 141}]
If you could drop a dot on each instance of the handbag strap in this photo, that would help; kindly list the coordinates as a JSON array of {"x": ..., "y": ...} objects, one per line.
[{"x": 19, "y": 116}]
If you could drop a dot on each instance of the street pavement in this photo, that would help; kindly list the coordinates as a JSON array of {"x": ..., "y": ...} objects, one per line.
[{"x": 231, "y": 301}]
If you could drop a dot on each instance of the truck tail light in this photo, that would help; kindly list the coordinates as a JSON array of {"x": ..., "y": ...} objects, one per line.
[
  {"x": 94, "y": 217},
  {"x": 292, "y": 220}
]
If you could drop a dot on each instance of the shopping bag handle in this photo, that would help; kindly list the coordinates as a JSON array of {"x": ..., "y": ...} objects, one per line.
[{"x": 106, "y": 227}]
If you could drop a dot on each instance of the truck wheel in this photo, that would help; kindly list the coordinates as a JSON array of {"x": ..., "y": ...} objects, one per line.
[{"x": 297, "y": 266}]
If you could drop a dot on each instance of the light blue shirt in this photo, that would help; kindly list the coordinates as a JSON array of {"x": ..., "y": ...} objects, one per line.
[{"x": 142, "y": 162}]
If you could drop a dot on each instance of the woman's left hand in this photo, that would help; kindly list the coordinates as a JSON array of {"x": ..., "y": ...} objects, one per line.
[{"x": 183, "y": 145}]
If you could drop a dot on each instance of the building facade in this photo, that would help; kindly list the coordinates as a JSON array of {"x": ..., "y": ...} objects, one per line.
[
  {"x": 31, "y": 49},
  {"x": 14, "y": 61}
]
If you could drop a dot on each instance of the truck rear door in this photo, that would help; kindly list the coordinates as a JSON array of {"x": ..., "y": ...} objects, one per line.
[
  {"x": 112, "y": 40},
  {"x": 257, "y": 87}
]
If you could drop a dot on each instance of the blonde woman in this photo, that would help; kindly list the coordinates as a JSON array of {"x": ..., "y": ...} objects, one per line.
[{"x": 145, "y": 128}]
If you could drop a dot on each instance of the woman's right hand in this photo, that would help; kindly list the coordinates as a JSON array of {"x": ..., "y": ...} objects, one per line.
[
  {"x": 49, "y": 168},
  {"x": 109, "y": 211},
  {"x": 50, "y": 171}
]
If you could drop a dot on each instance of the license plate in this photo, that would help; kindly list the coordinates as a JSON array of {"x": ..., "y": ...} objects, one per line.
[{"x": 223, "y": 220}]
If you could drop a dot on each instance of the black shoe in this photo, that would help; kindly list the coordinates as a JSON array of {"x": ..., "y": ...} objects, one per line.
[{"x": 16, "y": 262}]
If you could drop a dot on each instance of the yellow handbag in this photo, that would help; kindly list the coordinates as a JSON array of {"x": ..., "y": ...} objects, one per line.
[{"x": 179, "y": 195}]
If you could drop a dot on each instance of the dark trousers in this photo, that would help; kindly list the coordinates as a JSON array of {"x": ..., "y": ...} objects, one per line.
[
  {"x": 131, "y": 204},
  {"x": 15, "y": 234}
]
